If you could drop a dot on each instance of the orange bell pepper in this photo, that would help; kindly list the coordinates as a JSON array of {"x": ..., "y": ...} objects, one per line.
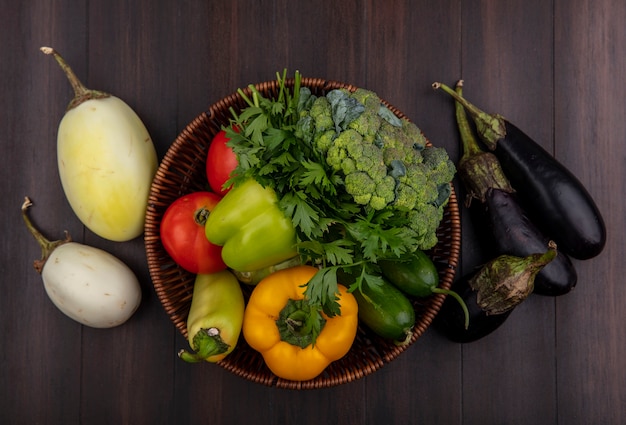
[{"x": 297, "y": 341}]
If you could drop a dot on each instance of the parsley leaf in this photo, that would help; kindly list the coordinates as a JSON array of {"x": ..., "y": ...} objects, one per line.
[
  {"x": 315, "y": 176},
  {"x": 302, "y": 214},
  {"x": 322, "y": 290},
  {"x": 275, "y": 147}
]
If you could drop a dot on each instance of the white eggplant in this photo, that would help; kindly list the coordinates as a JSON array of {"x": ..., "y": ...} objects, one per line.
[
  {"x": 106, "y": 160},
  {"x": 87, "y": 284}
]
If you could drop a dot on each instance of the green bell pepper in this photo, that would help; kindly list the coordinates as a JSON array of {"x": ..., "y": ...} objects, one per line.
[{"x": 253, "y": 231}]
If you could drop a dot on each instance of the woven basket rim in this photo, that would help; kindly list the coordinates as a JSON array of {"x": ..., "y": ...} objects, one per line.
[{"x": 176, "y": 176}]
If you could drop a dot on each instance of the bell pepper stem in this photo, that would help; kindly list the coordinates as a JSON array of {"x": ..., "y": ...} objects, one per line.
[
  {"x": 299, "y": 323},
  {"x": 206, "y": 343},
  {"x": 255, "y": 276}
]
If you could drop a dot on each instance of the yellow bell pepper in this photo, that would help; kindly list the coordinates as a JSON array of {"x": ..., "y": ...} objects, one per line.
[{"x": 297, "y": 341}]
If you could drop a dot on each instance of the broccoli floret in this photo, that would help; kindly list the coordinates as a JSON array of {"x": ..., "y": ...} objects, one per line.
[
  {"x": 367, "y": 98},
  {"x": 324, "y": 139},
  {"x": 362, "y": 165},
  {"x": 440, "y": 168},
  {"x": 367, "y": 191},
  {"x": 366, "y": 156},
  {"x": 368, "y": 122},
  {"x": 397, "y": 144},
  {"x": 338, "y": 150},
  {"x": 382, "y": 160},
  {"x": 369, "y": 159},
  {"x": 414, "y": 189},
  {"x": 424, "y": 221},
  {"x": 384, "y": 194},
  {"x": 414, "y": 134},
  {"x": 418, "y": 178},
  {"x": 406, "y": 197},
  {"x": 322, "y": 115},
  {"x": 361, "y": 186}
]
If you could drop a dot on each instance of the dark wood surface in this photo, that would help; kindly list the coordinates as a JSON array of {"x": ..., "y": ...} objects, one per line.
[{"x": 556, "y": 68}]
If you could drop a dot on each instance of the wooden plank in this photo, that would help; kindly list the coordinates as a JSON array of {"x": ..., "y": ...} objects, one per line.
[
  {"x": 401, "y": 64},
  {"x": 589, "y": 133},
  {"x": 554, "y": 68},
  {"x": 508, "y": 377},
  {"x": 237, "y": 58},
  {"x": 126, "y": 366},
  {"x": 40, "y": 354}
]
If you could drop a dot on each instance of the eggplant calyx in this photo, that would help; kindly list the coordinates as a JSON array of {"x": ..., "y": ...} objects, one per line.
[
  {"x": 480, "y": 171},
  {"x": 46, "y": 245},
  {"x": 506, "y": 281},
  {"x": 490, "y": 127},
  {"x": 81, "y": 93}
]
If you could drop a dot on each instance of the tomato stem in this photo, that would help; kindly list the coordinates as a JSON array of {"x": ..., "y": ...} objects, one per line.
[{"x": 201, "y": 216}]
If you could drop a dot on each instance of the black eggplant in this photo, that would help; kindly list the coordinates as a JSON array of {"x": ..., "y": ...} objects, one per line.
[
  {"x": 512, "y": 232},
  {"x": 490, "y": 294},
  {"x": 554, "y": 198},
  {"x": 515, "y": 234},
  {"x": 450, "y": 321}
]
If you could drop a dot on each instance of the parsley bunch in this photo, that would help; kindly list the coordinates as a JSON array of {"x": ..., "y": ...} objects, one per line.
[{"x": 333, "y": 232}]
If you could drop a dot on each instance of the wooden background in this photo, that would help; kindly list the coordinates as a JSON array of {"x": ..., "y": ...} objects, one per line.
[{"x": 556, "y": 68}]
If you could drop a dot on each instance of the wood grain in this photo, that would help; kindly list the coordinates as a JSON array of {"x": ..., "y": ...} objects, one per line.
[{"x": 554, "y": 68}]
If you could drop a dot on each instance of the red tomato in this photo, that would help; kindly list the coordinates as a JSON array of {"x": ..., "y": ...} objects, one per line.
[
  {"x": 221, "y": 161},
  {"x": 183, "y": 235}
]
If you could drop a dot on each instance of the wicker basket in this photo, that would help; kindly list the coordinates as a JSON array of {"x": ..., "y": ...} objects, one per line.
[{"x": 182, "y": 171}]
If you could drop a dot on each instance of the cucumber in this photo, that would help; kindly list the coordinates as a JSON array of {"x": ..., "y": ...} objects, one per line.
[
  {"x": 418, "y": 276},
  {"x": 386, "y": 311}
]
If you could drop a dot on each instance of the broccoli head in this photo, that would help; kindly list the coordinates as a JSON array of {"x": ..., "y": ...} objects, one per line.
[{"x": 382, "y": 160}]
